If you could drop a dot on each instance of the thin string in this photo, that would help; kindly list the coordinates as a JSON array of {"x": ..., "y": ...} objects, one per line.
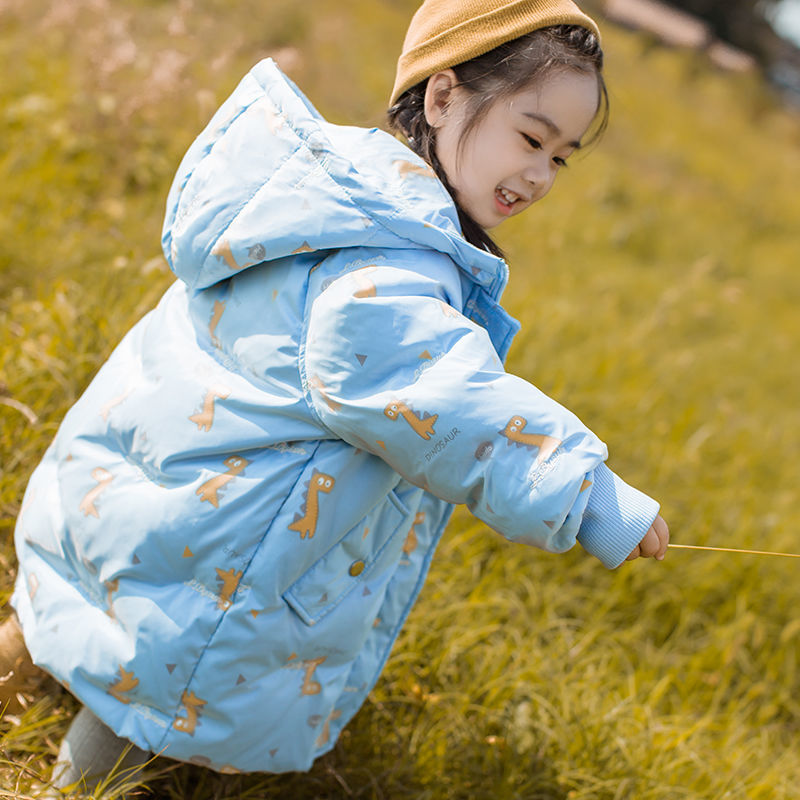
[{"x": 733, "y": 550}]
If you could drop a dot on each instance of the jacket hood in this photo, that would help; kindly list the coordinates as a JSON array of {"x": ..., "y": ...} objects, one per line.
[{"x": 269, "y": 178}]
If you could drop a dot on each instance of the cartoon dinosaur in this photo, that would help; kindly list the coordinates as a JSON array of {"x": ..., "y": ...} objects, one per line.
[
  {"x": 230, "y": 581},
  {"x": 366, "y": 286},
  {"x": 111, "y": 587},
  {"x": 325, "y": 735},
  {"x": 127, "y": 682},
  {"x": 204, "y": 419},
  {"x": 208, "y": 490},
  {"x": 306, "y": 523},
  {"x": 448, "y": 310},
  {"x": 422, "y": 426},
  {"x": 103, "y": 478},
  {"x": 311, "y": 686},
  {"x": 409, "y": 168},
  {"x": 410, "y": 544},
  {"x": 219, "y": 308},
  {"x": 192, "y": 703},
  {"x": 115, "y": 401},
  {"x": 317, "y": 384},
  {"x": 513, "y": 431}
]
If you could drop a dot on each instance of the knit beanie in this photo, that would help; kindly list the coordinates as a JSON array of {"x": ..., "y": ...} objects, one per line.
[{"x": 444, "y": 33}]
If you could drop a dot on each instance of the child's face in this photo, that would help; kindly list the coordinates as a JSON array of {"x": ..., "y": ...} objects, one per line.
[{"x": 512, "y": 156}]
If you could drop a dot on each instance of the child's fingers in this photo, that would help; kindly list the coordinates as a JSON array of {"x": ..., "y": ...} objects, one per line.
[{"x": 662, "y": 532}]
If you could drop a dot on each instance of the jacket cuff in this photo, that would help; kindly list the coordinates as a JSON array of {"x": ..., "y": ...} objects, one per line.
[{"x": 616, "y": 519}]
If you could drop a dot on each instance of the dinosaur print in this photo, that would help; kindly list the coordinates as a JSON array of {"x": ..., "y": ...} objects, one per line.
[
  {"x": 316, "y": 383},
  {"x": 192, "y": 703},
  {"x": 208, "y": 490},
  {"x": 514, "y": 432},
  {"x": 127, "y": 682},
  {"x": 448, "y": 310},
  {"x": 216, "y": 316},
  {"x": 325, "y": 735},
  {"x": 103, "y": 478},
  {"x": 222, "y": 250},
  {"x": 366, "y": 286},
  {"x": 422, "y": 426},
  {"x": 311, "y": 686},
  {"x": 33, "y": 585},
  {"x": 106, "y": 409},
  {"x": 111, "y": 587},
  {"x": 230, "y": 581},
  {"x": 410, "y": 544},
  {"x": 409, "y": 168},
  {"x": 204, "y": 418},
  {"x": 306, "y": 523}
]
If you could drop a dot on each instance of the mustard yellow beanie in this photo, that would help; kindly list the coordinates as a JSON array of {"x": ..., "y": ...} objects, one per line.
[{"x": 444, "y": 33}]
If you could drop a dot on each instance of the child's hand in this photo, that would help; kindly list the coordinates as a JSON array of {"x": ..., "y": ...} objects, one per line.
[{"x": 654, "y": 543}]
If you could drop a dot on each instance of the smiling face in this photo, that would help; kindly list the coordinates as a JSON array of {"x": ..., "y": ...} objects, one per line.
[{"x": 510, "y": 159}]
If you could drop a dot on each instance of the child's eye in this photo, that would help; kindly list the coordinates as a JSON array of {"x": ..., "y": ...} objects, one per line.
[
  {"x": 533, "y": 143},
  {"x": 561, "y": 162}
]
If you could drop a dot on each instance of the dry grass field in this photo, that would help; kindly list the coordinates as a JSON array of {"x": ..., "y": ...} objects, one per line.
[{"x": 658, "y": 288}]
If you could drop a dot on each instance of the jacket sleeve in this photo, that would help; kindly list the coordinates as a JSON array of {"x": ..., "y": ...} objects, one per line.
[{"x": 390, "y": 367}]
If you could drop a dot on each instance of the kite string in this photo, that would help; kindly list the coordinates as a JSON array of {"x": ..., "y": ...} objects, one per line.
[{"x": 733, "y": 550}]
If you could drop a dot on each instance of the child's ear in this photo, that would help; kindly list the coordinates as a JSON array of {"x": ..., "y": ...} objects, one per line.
[{"x": 438, "y": 94}]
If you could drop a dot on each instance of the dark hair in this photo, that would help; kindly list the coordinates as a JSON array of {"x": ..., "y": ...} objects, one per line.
[{"x": 500, "y": 73}]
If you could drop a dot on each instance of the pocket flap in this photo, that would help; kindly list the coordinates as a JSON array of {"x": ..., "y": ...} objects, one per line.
[{"x": 374, "y": 542}]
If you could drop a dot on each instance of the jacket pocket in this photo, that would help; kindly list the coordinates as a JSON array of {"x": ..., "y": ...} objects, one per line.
[{"x": 368, "y": 552}]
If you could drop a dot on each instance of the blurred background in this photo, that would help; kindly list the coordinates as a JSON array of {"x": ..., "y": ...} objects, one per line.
[{"x": 658, "y": 288}]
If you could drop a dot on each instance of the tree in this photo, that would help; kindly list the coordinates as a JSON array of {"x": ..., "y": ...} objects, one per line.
[{"x": 741, "y": 22}]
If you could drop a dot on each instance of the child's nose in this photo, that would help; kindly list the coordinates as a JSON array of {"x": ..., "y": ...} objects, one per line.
[{"x": 539, "y": 177}]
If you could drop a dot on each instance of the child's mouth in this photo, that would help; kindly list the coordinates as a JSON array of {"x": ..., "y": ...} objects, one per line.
[{"x": 505, "y": 199}]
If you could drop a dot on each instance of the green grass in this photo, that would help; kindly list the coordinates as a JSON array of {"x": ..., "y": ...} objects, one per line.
[{"x": 658, "y": 289}]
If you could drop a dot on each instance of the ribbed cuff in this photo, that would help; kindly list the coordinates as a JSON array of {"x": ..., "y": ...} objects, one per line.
[{"x": 616, "y": 519}]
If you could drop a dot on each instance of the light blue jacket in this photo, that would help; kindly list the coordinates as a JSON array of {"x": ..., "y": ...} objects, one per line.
[{"x": 222, "y": 542}]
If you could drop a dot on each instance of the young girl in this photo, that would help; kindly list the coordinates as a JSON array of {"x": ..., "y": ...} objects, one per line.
[{"x": 223, "y": 541}]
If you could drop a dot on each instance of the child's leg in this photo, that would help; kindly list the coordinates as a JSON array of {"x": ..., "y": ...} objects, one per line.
[
  {"x": 90, "y": 751},
  {"x": 18, "y": 674}
]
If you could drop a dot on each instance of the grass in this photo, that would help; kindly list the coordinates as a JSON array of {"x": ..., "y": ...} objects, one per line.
[{"x": 658, "y": 290}]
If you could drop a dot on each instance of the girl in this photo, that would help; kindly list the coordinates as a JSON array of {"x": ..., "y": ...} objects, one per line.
[{"x": 223, "y": 541}]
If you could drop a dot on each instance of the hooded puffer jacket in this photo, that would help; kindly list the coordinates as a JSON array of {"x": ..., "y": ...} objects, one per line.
[{"x": 223, "y": 540}]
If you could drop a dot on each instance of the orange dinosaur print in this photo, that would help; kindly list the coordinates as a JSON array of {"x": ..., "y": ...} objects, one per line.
[
  {"x": 366, "y": 286},
  {"x": 208, "y": 490},
  {"x": 325, "y": 735},
  {"x": 103, "y": 478},
  {"x": 230, "y": 581},
  {"x": 111, "y": 587},
  {"x": 448, "y": 310},
  {"x": 514, "y": 432},
  {"x": 192, "y": 703},
  {"x": 304, "y": 248},
  {"x": 113, "y": 403},
  {"x": 317, "y": 384},
  {"x": 311, "y": 686},
  {"x": 422, "y": 426},
  {"x": 306, "y": 523},
  {"x": 222, "y": 250},
  {"x": 204, "y": 418},
  {"x": 409, "y": 168},
  {"x": 127, "y": 683},
  {"x": 410, "y": 544},
  {"x": 216, "y": 316},
  {"x": 33, "y": 585}
]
